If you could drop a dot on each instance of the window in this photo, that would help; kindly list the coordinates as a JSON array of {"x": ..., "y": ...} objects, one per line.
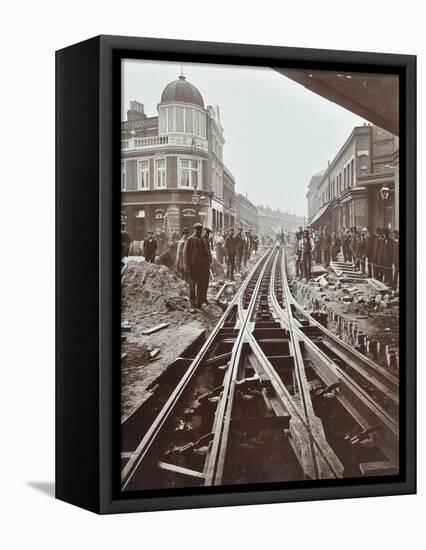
[
  {"x": 143, "y": 174},
  {"x": 163, "y": 121},
  {"x": 188, "y": 120},
  {"x": 170, "y": 119},
  {"x": 179, "y": 119},
  {"x": 353, "y": 172},
  {"x": 160, "y": 169},
  {"x": 189, "y": 173},
  {"x": 123, "y": 175}
]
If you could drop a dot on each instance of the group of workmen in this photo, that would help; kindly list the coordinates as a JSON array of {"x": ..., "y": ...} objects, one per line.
[
  {"x": 194, "y": 255},
  {"x": 375, "y": 254}
]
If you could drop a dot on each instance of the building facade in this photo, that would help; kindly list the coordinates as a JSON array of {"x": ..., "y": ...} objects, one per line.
[
  {"x": 271, "y": 221},
  {"x": 172, "y": 171},
  {"x": 350, "y": 192},
  {"x": 246, "y": 213}
]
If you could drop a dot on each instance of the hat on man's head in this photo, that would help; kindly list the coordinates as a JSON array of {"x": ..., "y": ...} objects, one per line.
[
  {"x": 197, "y": 225},
  {"x": 207, "y": 230}
]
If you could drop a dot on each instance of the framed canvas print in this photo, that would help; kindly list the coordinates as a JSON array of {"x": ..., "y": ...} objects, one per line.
[{"x": 234, "y": 323}]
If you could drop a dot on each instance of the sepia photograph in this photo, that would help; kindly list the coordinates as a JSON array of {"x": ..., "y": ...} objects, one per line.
[{"x": 259, "y": 275}]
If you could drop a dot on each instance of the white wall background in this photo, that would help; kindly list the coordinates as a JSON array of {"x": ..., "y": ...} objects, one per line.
[{"x": 30, "y": 32}]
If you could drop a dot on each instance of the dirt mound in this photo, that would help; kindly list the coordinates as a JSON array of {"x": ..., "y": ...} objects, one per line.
[
  {"x": 152, "y": 295},
  {"x": 150, "y": 288}
]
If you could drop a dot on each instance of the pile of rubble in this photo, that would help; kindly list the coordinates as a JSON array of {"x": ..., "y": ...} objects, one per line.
[
  {"x": 363, "y": 312},
  {"x": 156, "y": 326}
]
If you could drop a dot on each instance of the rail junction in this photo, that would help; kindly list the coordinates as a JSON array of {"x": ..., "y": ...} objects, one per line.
[{"x": 272, "y": 395}]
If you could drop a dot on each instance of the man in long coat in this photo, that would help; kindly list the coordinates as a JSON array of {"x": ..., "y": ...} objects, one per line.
[
  {"x": 196, "y": 263},
  {"x": 230, "y": 253},
  {"x": 150, "y": 248},
  {"x": 239, "y": 247}
]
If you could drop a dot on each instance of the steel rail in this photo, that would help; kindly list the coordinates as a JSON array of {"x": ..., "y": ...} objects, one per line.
[
  {"x": 299, "y": 434},
  {"x": 356, "y": 400},
  {"x": 217, "y": 453},
  {"x": 325, "y": 458},
  {"x": 145, "y": 444},
  {"x": 384, "y": 381}
]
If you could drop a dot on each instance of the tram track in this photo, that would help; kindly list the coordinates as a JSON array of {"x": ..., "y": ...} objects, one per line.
[{"x": 258, "y": 404}]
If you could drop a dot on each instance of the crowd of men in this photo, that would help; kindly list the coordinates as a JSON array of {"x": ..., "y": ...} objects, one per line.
[
  {"x": 192, "y": 254},
  {"x": 375, "y": 254}
]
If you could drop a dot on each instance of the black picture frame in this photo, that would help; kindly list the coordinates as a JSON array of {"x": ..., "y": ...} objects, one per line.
[{"x": 88, "y": 285}]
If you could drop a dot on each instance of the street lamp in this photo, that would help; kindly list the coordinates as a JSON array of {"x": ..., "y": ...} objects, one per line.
[{"x": 384, "y": 193}]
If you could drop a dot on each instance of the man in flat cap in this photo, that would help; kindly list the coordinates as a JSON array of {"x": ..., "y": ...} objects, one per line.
[{"x": 196, "y": 263}]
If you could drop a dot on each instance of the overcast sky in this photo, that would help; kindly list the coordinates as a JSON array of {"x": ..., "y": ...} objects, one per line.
[{"x": 277, "y": 133}]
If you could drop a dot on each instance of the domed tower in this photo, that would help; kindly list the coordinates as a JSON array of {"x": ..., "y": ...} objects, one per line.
[{"x": 181, "y": 110}]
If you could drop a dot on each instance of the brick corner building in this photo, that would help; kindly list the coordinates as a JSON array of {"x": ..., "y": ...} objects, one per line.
[{"x": 172, "y": 170}]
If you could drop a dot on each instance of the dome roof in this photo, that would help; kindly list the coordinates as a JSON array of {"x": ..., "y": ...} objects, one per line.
[{"x": 181, "y": 91}]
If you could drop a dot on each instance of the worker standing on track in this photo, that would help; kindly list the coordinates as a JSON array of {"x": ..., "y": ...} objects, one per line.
[
  {"x": 230, "y": 252},
  {"x": 206, "y": 270},
  {"x": 196, "y": 263},
  {"x": 308, "y": 247},
  {"x": 239, "y": 247}
]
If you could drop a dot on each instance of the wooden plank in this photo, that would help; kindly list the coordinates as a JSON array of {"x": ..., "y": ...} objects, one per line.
[
  {"x": 180, "y": 470},
  {"x": 155, "y": 329}
]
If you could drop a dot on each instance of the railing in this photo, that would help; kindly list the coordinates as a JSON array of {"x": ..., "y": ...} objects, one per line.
[{"x": 163, "y": 141}]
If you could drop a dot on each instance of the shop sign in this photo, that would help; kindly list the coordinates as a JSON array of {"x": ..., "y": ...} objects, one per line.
[
  {"x": 188, "y": 213},
  {"x": 159, "y": 214}
]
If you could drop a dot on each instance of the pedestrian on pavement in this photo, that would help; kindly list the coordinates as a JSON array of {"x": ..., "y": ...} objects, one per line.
[
  {"x": 378, "y": 254},
  {"x": 230, "y": 251},
  {"x": 299, "y": 264},
  {"x": 361, "y": 252},
  {"x": 179, "y": 263},
  {"x": 388, "y": 246},
  {"x": 317, "y": 241},
  {"x": 335, "y": 246},
  {"x": 197, "y": 262},
  {"x": 308, "y": 247},
  {"x": 326, "y": 247},
  {"x": 346, "y": 245},
  {"x": 239, "y": 246},
  {"x": 370, "y": 243},
  {"x": 150, "y": 248}
]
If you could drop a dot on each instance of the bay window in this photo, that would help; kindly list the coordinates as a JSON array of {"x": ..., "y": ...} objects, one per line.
[{"x": 184, "y": 120}]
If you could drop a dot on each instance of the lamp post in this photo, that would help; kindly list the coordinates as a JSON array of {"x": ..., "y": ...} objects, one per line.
[{"x": 384, "y": 193}]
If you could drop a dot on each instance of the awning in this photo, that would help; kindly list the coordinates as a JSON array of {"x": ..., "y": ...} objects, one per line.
[{"x": 319, "y": 214}]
